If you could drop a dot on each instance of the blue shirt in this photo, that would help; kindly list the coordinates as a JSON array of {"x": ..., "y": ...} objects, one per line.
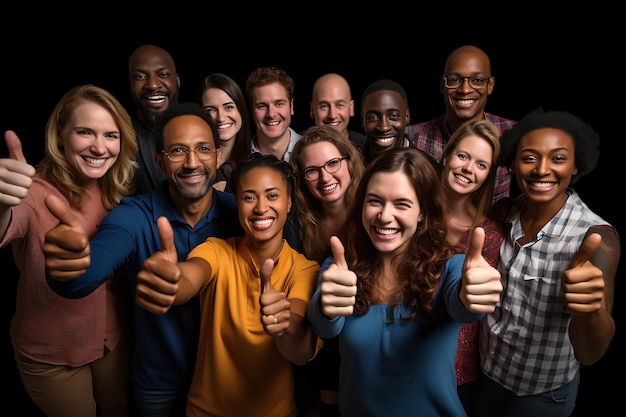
[
  {"x": 165, "y": 345},
  {"x": 400, "y": 368}
]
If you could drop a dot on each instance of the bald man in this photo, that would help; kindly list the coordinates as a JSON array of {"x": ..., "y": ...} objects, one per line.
[
  {"x": 465, "y": 85},
  {"x": 332, "y": 105}
]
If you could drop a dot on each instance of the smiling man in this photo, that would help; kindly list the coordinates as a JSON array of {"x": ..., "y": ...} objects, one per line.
[
  {"x": 465, "y": 85},
  {"x": 154, "y": 85}
]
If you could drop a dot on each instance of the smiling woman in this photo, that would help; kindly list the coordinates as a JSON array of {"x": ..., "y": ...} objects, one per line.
[{"x": 89, "y": 165}]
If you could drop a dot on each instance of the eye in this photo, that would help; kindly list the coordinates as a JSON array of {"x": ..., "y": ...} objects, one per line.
[{"x": 333, "y": 163}]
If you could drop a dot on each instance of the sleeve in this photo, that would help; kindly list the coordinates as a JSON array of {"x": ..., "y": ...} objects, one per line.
[
  {"x": 111, "y": 247},
  {"x": 322, "y": 325},
  {"x": 451, "y": 288}
]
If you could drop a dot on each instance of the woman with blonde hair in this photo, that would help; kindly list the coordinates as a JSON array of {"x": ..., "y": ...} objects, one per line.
[{"x": 73, "y": 355}]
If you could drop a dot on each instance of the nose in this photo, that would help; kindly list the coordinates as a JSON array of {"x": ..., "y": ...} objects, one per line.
[
  {"x": 98, "y": 146},
  {"x": 465, "y": 87},
  {"x": 192, "y": 159},
  {"x": 386, "y": 213}
]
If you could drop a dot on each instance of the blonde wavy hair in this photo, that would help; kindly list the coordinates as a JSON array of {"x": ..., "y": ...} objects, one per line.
[{"x": 118, "y": 182}]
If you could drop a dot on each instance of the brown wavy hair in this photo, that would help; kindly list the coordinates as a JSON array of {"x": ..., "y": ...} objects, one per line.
[
  {"x": 118, "y": 182},
  {"x": 419, "y": 268},
  {"x": 309, "y": 210}
]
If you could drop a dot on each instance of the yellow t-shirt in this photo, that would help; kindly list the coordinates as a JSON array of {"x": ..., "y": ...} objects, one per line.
[{"x": 239, "y": 371}]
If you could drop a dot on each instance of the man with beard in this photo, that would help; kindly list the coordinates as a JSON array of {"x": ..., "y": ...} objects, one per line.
[
  {"x": 154, "y": 85},
  {"x": 165, "y": 345}
]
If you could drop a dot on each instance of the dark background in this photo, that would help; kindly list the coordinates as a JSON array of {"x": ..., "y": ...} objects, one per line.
[{"x": 554, "y": 61}]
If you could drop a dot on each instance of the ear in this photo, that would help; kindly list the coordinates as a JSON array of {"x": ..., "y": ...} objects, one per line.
[
  {"x": 491, "y": 84},
  {"x": 159, "y": 158}
]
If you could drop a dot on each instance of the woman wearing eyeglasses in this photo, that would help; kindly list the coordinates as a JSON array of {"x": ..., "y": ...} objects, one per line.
[{"x": 329, "y": 167}]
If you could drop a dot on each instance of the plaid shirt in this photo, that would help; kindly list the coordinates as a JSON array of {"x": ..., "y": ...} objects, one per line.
[
  {"x": 432, "y": 136},
  {"x": 524, "y": 344}
]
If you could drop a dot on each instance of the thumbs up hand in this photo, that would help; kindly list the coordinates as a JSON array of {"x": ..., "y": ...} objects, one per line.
[
  {"x": 583, "y": 283},
  {"x": 16, "y": 175},
  {"x": 338, "y": 287},
  {"x": 275, "y": 308},
  {"x": 66, "y": 246},
  {"x": 157, "y": 282},
  {"x": 481, "y": 285}
]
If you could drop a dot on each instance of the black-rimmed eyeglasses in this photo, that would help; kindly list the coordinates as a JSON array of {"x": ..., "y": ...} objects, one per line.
[
  {"x": 180, "y": 153},
  {"x": 454, "y": 81},
  {"x": 331, "y": 166}
]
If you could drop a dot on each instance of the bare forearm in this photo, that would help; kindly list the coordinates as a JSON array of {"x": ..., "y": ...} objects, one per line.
[
  {"x": 298, "y": 343},
  {"x": 591, "y": 335}
]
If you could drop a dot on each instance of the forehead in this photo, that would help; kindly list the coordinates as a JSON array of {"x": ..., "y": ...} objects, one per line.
[
  {"x": 262, "y": 178},
  {"x": 187, "y": 129},
  {"x": 547, "y": 138},
  {"x": 270, "y": 92},
  {"x": 391, "y": 185},
  {"x": 151, "y": 59},
  {"x": 468, "y": 62},
  {"x": 333, "y": 88},
  {"x": 383, "y": 100}
]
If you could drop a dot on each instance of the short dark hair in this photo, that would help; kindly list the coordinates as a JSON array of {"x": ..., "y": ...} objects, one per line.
[
  {"x": 586, "y": 140},
  {"x": 385, "y": 84},
  {"x": 183, "y": 109}
]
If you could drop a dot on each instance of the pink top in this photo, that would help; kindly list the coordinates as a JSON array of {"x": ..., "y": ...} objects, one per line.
[{"x": 47, "y": 327}]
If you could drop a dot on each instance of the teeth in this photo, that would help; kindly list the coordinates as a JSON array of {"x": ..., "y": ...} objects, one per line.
[
  {"x": 385, "y": 140},
  {"x": 264, "y": 222},
  {"x": 462, "y": 178},
  {"x": 224, "y": 126},
  {"x": 95, "y": 161},
  {"x": 386, "y": 231},
  {"x": 542, "y": 184},
  {"x": 272, "y": 123},
  {"x": 329, "y": 187}
]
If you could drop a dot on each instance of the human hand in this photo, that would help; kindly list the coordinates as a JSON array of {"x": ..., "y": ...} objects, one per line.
[
  {"x": 583, "y": 283},
  {"x": 16, "y": 175},
  {"x": 338, "y": 288},
  {"x": 66, "y": 246},
  {"x": 481, "y": 283},
  {"x": 275, "y": 308},
  {"x": 157, "y": 282}
]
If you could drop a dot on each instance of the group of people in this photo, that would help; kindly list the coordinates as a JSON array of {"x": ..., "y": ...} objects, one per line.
[{"x": 208, "y": 259}]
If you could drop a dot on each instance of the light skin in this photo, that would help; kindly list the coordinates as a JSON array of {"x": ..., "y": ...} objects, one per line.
[
  {"x": 391, "y": 213},
  {"x": 466, "y": 103},
  {"x": 328, "y": 188},
  {"x": 154, "y": 82},
  {"x": 272, "y": 111},
  {"x": 384, "y": 118},
  {"x": 332, "y": 103},
  {"x": 263, "y": 202},
  {"x": 91, "y": 143},
  {"x": 226, "y": 116},
  {"x": 544, "y": 165},
  {"x": 464, "y": 171},
  {"x": 16, "y": 177},
  {"x": 67, "y": 245}
]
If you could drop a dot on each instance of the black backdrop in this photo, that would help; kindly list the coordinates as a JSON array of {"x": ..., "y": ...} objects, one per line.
[{"x": 550, "y": 61}]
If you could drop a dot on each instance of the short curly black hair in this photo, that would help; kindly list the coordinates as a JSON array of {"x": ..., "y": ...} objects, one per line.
[{"x": 586, "y": 140}]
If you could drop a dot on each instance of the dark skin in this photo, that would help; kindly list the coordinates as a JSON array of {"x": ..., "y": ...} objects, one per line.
[
  {"x": 384, "y": 116},
  {"x": 154, "y": 82},
  {"x": 544, "y": 165},
  {"x": 466, "y": 103}
]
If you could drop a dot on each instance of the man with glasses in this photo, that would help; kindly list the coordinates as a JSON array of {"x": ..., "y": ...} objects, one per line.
[
  {"x": 188, "y": 152},
  {"x": 465, "y": 85}
]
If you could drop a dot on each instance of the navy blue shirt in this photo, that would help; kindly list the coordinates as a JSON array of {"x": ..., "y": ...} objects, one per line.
[{"x": 165, "y": 345}]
